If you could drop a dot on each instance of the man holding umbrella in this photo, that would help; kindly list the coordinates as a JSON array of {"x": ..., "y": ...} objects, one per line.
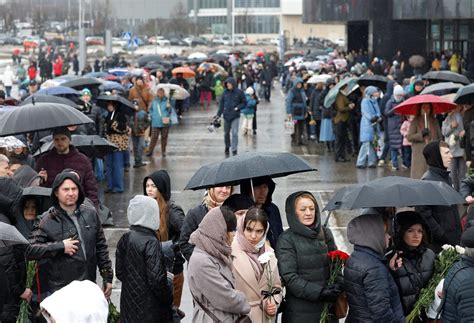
[{"x": 64, "y": 155}]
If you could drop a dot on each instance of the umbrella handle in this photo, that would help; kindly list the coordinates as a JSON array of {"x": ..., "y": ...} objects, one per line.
[
  {"x": 326, "y": 222},
  {"x": 426, "y": 125}
]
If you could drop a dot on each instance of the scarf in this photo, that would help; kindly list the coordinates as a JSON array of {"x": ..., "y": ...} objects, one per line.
[
  {"x": 253, "y": 252},
  {"x": 211, "y": 236},
  {"x": 210, "y": 199}
]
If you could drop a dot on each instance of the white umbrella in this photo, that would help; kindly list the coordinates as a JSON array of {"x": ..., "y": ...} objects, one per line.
[
  {"x": 296, "y": 60},
  {"x": 197, "y": 55},
  {"x": 11, "y": 142},
  {"x": 49, "y": 83},
  {"x": 179, "y": 92},
  {"x": 223, "y": 51},
  {"x": 319, "y": 78},
  {"x": 315, "y": 65}
]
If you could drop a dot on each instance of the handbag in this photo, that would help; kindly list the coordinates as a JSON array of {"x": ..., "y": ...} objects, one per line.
[
  {"x": 289, "y": 127},
  {"x": 240, "y": 319},
  {"x": 174, "y": 116},
  {"x": 164, "y": 120},
  {"x": 341, "y": 306}
]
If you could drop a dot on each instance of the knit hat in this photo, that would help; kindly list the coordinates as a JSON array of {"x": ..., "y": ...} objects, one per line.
[
  {"x": 144, "y": 211},
  {"x": 61, "y": 131},
  {"x": 467, "y": 237},
  {"x": 238, "y": 202},
  {"x": 249, "y": 91},
  {"x": 398, "y": 90},
  {"x": 85, "y": 91}
]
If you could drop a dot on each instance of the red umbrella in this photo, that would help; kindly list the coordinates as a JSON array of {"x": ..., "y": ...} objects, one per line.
[
  {"x": 260, "y": 53},
  {"x": 439, "y": 105},
  {"x": 111, "y": 77}
]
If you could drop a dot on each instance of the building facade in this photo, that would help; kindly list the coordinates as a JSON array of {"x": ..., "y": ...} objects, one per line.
[{"x": 413, "y": 26}]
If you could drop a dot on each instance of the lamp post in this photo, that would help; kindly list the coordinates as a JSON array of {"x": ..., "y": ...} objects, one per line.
[{"x": 82, "y": 41}]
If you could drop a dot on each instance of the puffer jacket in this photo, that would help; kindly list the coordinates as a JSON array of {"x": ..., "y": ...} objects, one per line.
[
  {"x": 55, "y": 163},
  {"x": 54, "y": 226},
  {"x": 413, "y": 275},
  {"x": 146, "y": 295},
  {"x": 304, "y": 265},
  {"x": 371, "y": 291},
  {"x": 394, "y": 123},
  {"x": 191, "y": 222},
  {"x": 296, "y": 101},
  {"x": 370, "y": 109},
  {"x": 232, "y": 102},
  {"x": 443, "y": 221},
  {"x": 458, "y": 289}
]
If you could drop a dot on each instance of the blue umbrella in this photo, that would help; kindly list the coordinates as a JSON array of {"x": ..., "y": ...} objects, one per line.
[
  {"x": 111, "y": 85},
  {"x": 119, "y": 72},
  {"x": 99, "y": 75},
  {"x": 58, "y": 90}
]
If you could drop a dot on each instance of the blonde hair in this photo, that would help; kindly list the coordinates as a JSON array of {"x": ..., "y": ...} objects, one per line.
[{"x": 307, "y": 196}]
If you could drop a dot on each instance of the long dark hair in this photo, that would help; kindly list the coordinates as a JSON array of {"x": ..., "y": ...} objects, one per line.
[{"x": 255, "y": 214}]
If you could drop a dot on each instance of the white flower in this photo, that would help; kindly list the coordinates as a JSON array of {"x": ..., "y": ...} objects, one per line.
[
  {"x": 460, "y": 250},
  {"x": 447, "y": 247},
  {"x": 265, "y": 257}
]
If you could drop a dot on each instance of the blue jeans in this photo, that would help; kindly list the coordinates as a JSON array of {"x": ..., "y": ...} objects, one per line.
[
  {"x": 406, "y": 156},
  {"x": 138, "y": 146},
  {"x": 234, "y": 127},
  {"x": 394, "y": 157},
  {"x": 366, "y": 153},
  {"x": 114, "y": 171}
]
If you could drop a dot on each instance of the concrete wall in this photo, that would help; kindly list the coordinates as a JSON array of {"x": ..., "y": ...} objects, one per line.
[{"x": 294, "y": 28}]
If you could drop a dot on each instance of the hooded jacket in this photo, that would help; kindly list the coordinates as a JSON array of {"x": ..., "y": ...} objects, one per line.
[
  {"x": 55, "y": 163},
  {"x": 371, "y": 290},
  {"x": 296, "y": 101},
  {"x": 231, "y": 102},
  {"x": 303, "y": 264},
  {"x": 55, "y": 225},
  {"x": 273, "y": 213},
  {"x": 146, "y": 294},
  {"x": 442, "y": 221},
  {"x": 174, "y": 218},
  {"x": 370, "y": 109}
]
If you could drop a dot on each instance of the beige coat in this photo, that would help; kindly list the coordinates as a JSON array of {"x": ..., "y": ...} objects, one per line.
[
  {"x": 246, "y": 282},
  {"x": 418, "y": 163}
]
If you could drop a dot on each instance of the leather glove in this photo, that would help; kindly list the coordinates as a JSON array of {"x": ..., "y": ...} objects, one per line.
[
  {"x": 374, "y": 119},
  {"x": 425, "y": 132},
  {"x": 330, "y": 293}
]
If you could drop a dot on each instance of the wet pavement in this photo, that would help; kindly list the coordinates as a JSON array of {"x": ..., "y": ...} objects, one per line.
[{"x": 191, "y": 145}]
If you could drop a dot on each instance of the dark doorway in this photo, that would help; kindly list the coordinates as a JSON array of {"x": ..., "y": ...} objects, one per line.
[{"x": 357, "y": 35}]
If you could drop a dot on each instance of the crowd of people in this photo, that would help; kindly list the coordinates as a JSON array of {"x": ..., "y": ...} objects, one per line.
[{"x": 241, "y": 264}]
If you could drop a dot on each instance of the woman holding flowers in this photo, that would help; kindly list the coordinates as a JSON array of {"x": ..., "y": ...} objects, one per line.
[
  {"x": 303, "y": 261},
  {"x": 255, "y": 266},
  {"x": 412, "y": 264}
]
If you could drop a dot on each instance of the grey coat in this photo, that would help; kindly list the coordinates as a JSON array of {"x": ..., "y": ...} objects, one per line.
[
  {"x": 447, "y": 131},
  {"x": 211, "y": 282}
]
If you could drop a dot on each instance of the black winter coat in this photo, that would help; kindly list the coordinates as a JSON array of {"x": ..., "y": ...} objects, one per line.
[
  {"x": 315, "y": 103},
  {"x": 458, "y": 289},
  {"x": 190, "y": 224},
  {"x": 232, "y": 102},
  {"x": 414, "y": 275},
  {"x": 443, "y": 221},
  {"x": 371, "y": 291},
  {"x": 394, "y": 123},
  {"x": 147, "y": 295},
  {"x": 175, "y": 224}
]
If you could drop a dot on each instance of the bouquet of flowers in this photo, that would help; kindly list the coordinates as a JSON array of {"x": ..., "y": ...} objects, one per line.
[
  {"x": 448, "y": 256},
  {"x": 337, "y": 258},
  {"x": 271, "y": 291},
  {"x": 24, "y": 315}
]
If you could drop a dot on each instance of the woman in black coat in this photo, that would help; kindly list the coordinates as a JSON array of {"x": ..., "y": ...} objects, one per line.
[
  {"x": 147, "y": 295},
  {"x": 412, "y": 264}
]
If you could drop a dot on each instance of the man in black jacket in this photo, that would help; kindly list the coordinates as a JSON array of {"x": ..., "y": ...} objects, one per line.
[{"x": 70, "y": 234}]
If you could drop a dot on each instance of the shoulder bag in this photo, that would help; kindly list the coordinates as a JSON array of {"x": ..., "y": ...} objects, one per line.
[
  {"x": 164, "y": 120},
  {"x": 240, "y": 319}
]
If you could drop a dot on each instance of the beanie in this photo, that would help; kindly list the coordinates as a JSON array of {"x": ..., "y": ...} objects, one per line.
[{"x": 62, "y": 131}]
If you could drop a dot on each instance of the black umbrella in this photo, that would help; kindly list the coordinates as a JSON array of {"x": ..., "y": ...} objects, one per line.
[
  {"x": 246, "y": 166},
  {"x": 36, "y": 98},
  {"x": 465, "y": 95},
  {"x": 218, "y": 57},
  {"x": 41, "y": 194},
  {"x": 40, "y": 116},
  {"x": 90, "y": 145},
  {"x": 394, "y": 191},
  {"x": 373, "y": 80},
  {"x": 442, "y": 88},
  {"x": 83, "y": 82},
  {"x": 154, "y": 66},
  {"x": 9, "y": 236},
  {"x": 446, "y": 76},
  {"x": 123, "y": 104},
  {"x": 142, "y": 61}
]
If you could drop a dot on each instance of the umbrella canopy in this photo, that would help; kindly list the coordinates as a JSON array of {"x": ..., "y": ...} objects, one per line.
[
  {"x": 50, "y": 83},
  {"x": 90, "y": 145},
  {"x": 110, "y": 85},
  {"x": 197, "y": 55},
  {"x": 215, "y": 68},
  {"x": 442, "y": 88},
  {"x": 292, "y": 53},
  {"x": 250, "y": 57},
  {"x": 58, "y": 90},
  {"x": 9, "y": 236},
  {"x": 465, "y": 95},
  {"x": 33, "y": 99},
  {"x": 142, "y": 61},
  {"x": 218, "y": 57},
  {"x": 186, "y": 71},
  {"x": 126, "y": 106},
  {"x": 394, "y": 191},
  {"x": 40, "y": 116},
  {"x": 83, "y": 82},
  {"x": 319, "y": 78},
  {"x": 154, "y": 66},
  {"x": 330, "y": 98},
  {"x": 446, "y": 76},
  {"x": 178, "y": 92},
  {"x": 413, "y": 104},
  {"x": 99, "y": 75},
  {"x": 246, "y": 166},
  {"x": 378, "y": 81},
  {"x": 11, "y": 101},
  {"x": 416, "y": 61},
  {"x": 118, "y": 71},
  {"x": 11, "y": 142}
]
